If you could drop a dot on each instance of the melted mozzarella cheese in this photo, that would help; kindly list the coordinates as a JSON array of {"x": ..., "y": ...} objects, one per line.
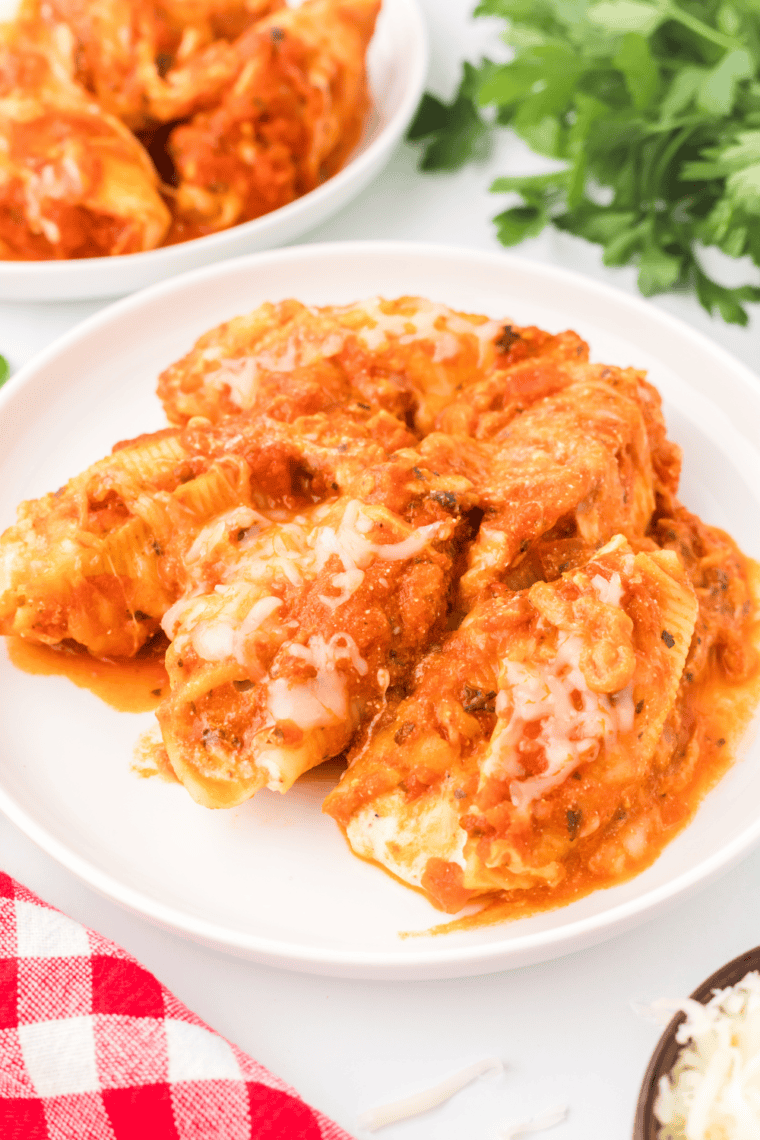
[
  {"x": 408, "y": 547},
  {"x": 325, "y": 655},
  {"x": 356, "y": 552},
  {"x": 429, "y": 321},
  {"x": 282, "y": 551},
  {"x": 574, "y": 720},
  {"x": 351, "y": 547},
  {"x": 294, "y": 552},
  {"x": 219, "y": 639},
  {"x": 264, "y": 552},
  {"x": 242, "y": 373},
  {"x": 207, "y": 539},
  {"x": 321, "y": 700},
  {"x": 171, "y": 620}
]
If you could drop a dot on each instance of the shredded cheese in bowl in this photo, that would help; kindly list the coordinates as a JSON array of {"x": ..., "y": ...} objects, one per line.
[{"x": 712, "y": 1092}]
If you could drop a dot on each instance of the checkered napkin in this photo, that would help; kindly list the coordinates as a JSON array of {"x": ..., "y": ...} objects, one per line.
[{"x": 92, "y": 1047}]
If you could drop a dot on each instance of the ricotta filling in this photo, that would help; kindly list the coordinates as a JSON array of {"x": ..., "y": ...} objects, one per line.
[
  {"x": 239, "y": 374},
  {"x": 608, "y": 591},
  {"x": 403, "y": 836}
]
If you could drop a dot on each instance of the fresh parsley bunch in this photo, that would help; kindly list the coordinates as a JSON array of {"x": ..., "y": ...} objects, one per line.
[{"x": 654, "y": 107}]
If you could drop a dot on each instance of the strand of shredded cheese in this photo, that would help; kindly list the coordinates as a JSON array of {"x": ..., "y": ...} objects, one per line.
[
  {"x": 423, "y": 1101},
  {"x": 537, "y": 1123}
]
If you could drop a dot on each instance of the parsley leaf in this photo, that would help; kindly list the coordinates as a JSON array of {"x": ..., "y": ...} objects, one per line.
[
  {"x": 454, "y": 129},
  {"x": 5, "y": 370},
  {"x": 655, "y": 103}
]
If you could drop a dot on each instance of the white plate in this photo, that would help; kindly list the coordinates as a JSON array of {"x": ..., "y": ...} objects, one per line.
[
  {"x": 397, "y": 65},
  {"x": 273, "y": 880}
]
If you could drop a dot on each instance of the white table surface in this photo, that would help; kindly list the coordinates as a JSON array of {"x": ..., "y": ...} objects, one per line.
[{"x": 564, "y": 1029}]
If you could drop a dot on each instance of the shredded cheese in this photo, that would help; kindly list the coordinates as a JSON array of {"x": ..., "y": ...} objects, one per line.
[
  {"x": 282, "y": 550},
  {"x": 713, "y": 1090},
  {"x": 267, "y": 551},
  {"x": 536, "y": 1123},
  {"x": 172, "y": 618},
  {"x": 430, "y": 1098},
  {"x": 428, "y": 322}
]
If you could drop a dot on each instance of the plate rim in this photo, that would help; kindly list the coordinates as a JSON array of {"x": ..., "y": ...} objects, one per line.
[{"x": 437, "y": 961}]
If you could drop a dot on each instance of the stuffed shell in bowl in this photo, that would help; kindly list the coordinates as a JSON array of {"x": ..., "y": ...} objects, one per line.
[{"x": 133, "y": 130}]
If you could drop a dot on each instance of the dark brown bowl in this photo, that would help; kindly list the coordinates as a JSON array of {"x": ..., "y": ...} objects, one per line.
[{"x": 645, "y": 1125}]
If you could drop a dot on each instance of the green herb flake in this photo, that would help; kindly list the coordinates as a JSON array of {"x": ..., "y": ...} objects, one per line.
[
  {"x": 5, "y": 370},
  {"x": 655, "y": 102}
]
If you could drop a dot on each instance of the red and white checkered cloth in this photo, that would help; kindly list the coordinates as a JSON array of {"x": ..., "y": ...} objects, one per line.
[{"x": 92, "y": 1047}]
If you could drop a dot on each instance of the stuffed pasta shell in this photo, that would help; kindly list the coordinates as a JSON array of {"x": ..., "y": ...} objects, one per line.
[
  {"x": 317, "y": 620},
  {"x": 288, "y": 119},
  {"x": 100, "y": 561},
  {"x": 411, "y": 356},
  {"x": 532, "y": 735},
  {"x": 127, "y": 52},
  {"x": 74, "y": 182}
]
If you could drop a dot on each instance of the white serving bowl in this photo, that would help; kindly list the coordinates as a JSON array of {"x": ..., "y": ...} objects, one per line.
[
  {"x": 273, "y": 880},
  {"x": 397, "y": 65}
]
